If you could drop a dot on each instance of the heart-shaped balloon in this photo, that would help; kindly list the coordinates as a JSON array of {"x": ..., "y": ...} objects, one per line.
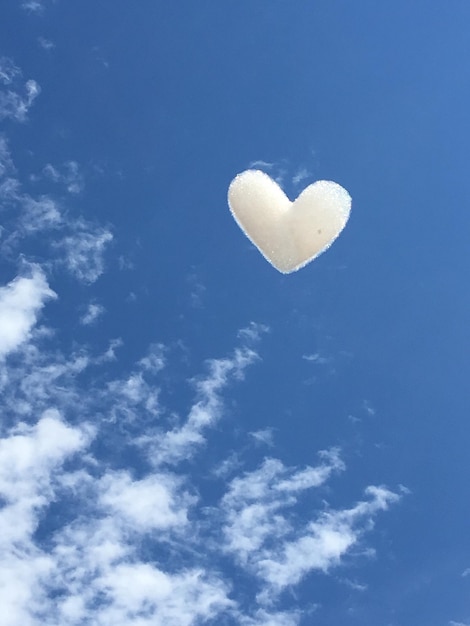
[{"x": 288, "y": 234}]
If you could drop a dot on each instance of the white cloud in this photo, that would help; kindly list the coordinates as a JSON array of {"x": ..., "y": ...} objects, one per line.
[
  {"x": 253, "y": 503},
  {"x": 6, "y": 164},
  {"x": 30, "y": 215},
  {"x": 8, "y": 71},
  {"x": 73, "y": 243},
  {"x": 262, "y": 537},
  {"x": 300, "y": 176},
  {"x": 368, "y": 408},
  {"x": 93, "y": 312},
  {"x": 39, "y": 214},
  {"x": 316, "y": 357},
  {"x": 157, "y": 598},
  {"x": 16, "y": 98},
  {"x": 51, "y": 173},
  {"x": 28, "y": 455},
  {"x": 324, "y": 542},
  {"x": 33, "y": 6},
  {"x": 253, "y": 332},
  {"x": 92, "y": 569},
  {"x": 228, "y": 466},
  {"x": 102, "y": 559},
  {"x": 264, "y": 436},
  {"x": 267, "y": 618},
  {"x": 67, "y": 174},
  {"x": 154, "y": 360},
  {"x": 84, "y": 251},
  {"x": 137, "y": 396},
  {"x": 20, "y": 303},
  {"x": 353, "y": 584},
  {"x": 197, "y": 290},
  {"x": 180, "y": 442},
  {"x": 261, "y": 164},
  {"x": 155, "y": 502},
  {"x": 37, "y": 380},
  {"x": 110, "y": 354},
  {"x": 46, "y": 44},
  {"x": 29, "y": 462}
]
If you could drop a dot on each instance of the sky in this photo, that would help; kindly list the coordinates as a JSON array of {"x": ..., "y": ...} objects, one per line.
[{"x": 188, "y": 436}]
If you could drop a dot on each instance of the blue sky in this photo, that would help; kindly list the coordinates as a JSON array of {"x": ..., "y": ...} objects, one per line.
[{"x": 188, "y": 436}]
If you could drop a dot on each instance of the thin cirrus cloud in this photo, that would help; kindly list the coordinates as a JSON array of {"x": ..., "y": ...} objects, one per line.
[
  {"x": 83, "y": 252},
  {"x": 46, "y": 44},
  {"x": 93, "y": 312},
  {"x": 33, "y": 6},
  {"x": 179, "y": 443},
  {"x": 323, "y": 542},
  {"x": 16, "y": 95},
  {"x": 259, "y": 533},
  {"x": 68, "y": 175},
  {"x": 264, "y": 436},
  {"x": 72, "y": 243}
]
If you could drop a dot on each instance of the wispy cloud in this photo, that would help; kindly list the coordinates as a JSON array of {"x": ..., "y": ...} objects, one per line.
[
  {"x": 279, "y": 169},
  {"x": 262, "y": 537},
  {"x": 300, "y": 176},
  {"x": 180, "y": 442},
  {"x": 74, "y": 243},
  {"x": 16, "y": 96},
  {"x": 253, "y": 503},
  {"x": 93, "y": 312},
  {"x": 67, "y": 174},
  {"x": 264, "y": 436},
  {"x": 46, "y": 44},
  {"x": 33, "y": 6},
  {"x": 262, "y": 617},
  {"x": 38, "y": 214},
  {"x": 197, "y": 290},
  {"x": 84, "y": 252},
  {"x": 316, "y": 358},
  {"x": 8, "y": 71},
  {"x": 266, "y": 165},
  {"x": 324, "y": 541},
  {"x": 253, "y": 332}
]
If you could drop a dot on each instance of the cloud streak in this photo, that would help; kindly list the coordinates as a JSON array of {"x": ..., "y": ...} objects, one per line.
[
  {"x": 72, "y": 243},
  {"x": 180, "y": 442},
  {"x": 16, "y": 97}
]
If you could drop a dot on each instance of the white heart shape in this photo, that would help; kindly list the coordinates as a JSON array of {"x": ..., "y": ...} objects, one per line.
[{"x": 288, "y": 234}]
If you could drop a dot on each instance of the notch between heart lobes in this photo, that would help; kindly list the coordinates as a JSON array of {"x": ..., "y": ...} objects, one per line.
[{"x": 288, "y": 234}]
